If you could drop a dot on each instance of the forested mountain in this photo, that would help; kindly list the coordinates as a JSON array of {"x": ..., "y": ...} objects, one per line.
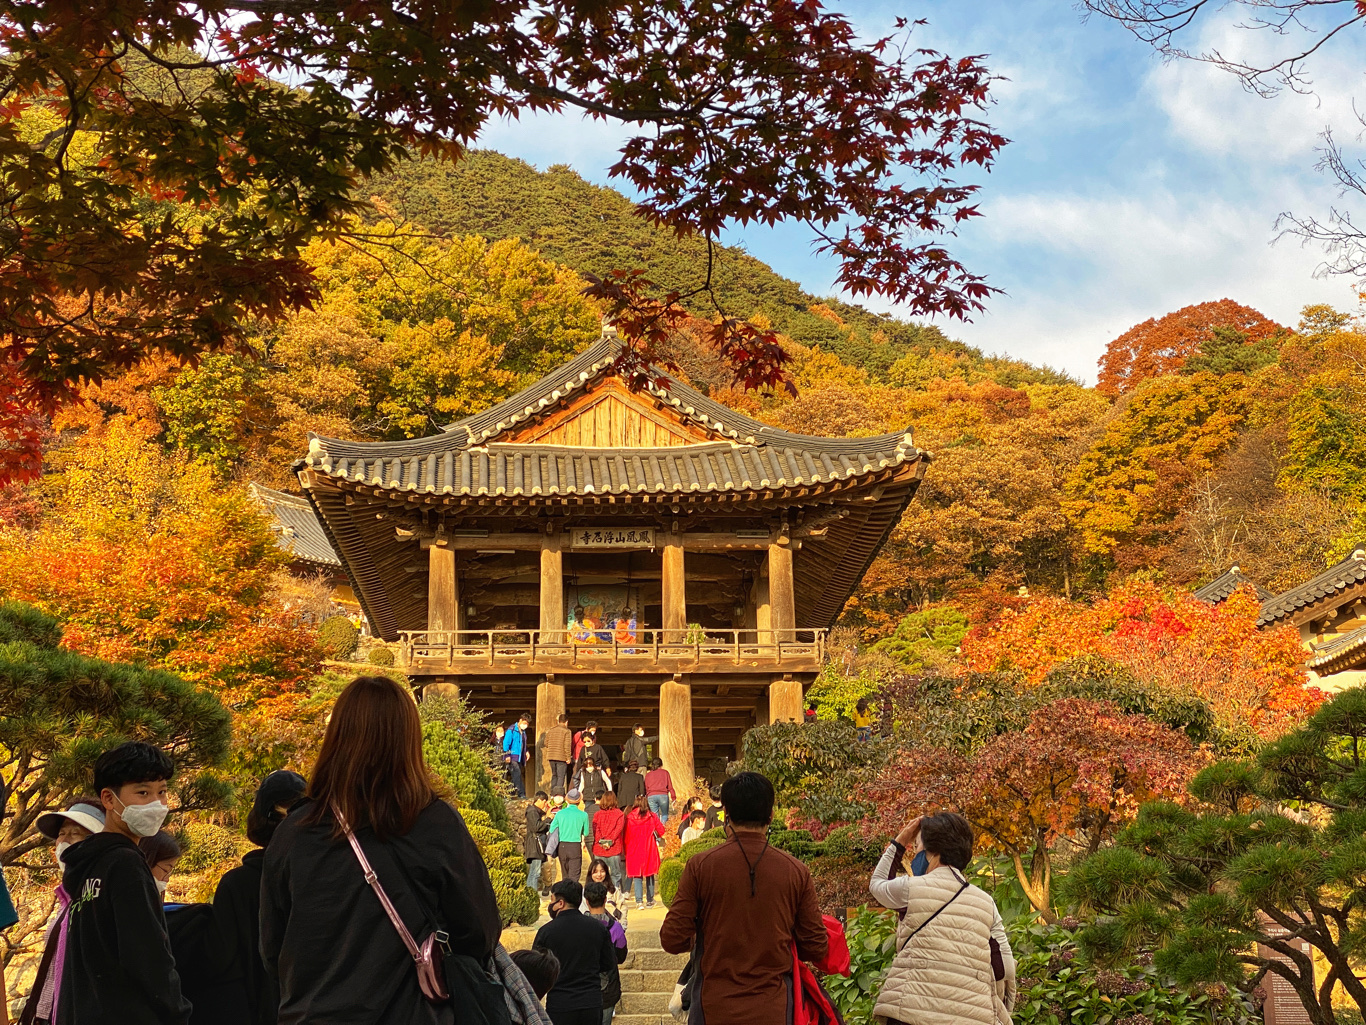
[{"x": 593, "y": 230}]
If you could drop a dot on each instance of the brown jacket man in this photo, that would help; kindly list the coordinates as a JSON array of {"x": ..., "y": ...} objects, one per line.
[
  {"x": 559, "y": 752},
  {"x": 745, "y": 903}
]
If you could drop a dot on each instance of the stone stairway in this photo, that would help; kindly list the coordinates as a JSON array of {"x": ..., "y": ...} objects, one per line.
[{"x": 647, "y": 976}]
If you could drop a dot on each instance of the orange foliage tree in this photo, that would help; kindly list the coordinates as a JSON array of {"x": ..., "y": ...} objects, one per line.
[
  {"x": 1252, "y": 679},
  {"x": 1162, "y": 345},
  {"x": 1079, "y": 770}
]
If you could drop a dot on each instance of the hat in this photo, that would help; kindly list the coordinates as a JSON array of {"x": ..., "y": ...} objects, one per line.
[
  {"x": 87, "y": 816},
  {"x": 557, "y": 799},
  {"x": 281, "y": 787},
  {"x": 574, "y": 794}
]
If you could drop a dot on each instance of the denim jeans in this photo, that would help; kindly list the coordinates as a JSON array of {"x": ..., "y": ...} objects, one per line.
[
  {"x": 649, "y": 886},
  {"x": 607, "y": 1013},
  {"x": 616, "y": 867},
  {"x": 659, "y": 804},
  {"x": 533, "y": 874},
  {"x": 515, "y": 775}
]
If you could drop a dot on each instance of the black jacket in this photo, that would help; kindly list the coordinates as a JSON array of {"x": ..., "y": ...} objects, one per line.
[
  {"x": 217, "y": 951},
  {"x": 592, "y": 785},
  {"x": 326, "y": 939},
  {"x": 586, "y": 952},
  {"x": 536, "y": 825},
  {"x": 630, "y": 785},
  {"x": 636, "y": 751},
  {"x": 594, "y": 751},
  {"x": 118, "y": 965}
]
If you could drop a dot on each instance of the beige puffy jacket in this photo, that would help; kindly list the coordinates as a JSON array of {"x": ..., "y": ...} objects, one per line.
[{"x": 942, "y": 974}]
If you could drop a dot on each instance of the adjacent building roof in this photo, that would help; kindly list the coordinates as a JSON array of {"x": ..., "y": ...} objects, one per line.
[
  {"x": 296, "y": 526},
  {"x": 1226, "y": 583},
  {"x": 1342, "y": 652},
  {"x": 1302, "y": 602}
]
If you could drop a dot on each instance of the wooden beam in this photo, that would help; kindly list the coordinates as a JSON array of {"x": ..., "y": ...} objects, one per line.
[
  {"x": 782, "y": 596},
  {"x": 552, "y": 584},
  {"x": 443, "y": 591},
  {"x": 674, "y": 583}
]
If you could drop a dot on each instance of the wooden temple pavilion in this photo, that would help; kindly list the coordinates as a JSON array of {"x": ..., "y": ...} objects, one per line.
[{"x": 624, "y": 556}]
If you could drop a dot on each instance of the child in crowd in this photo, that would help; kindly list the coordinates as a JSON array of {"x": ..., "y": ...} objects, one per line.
[
  {"x": 716, "y": 815},
  {"x": 541, "y": 968},
  {"x": 697, "y": 825},
  {"x": 118, "y": 966},
  {"x": 83, "y": 818},
  {"x": 595, "y": 896},
  {"x": 693, "y": 806}
]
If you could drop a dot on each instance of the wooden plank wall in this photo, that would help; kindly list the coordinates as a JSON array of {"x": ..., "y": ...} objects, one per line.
[{"x": 611, "y": 417}]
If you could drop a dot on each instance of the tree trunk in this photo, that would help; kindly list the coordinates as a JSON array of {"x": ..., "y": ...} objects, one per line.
[{"x": 1037, "y": 882}]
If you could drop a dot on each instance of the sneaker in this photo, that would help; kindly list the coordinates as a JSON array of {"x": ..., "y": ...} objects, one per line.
[
  {"x": 650, "y": 904},
  {"x": 640, "y": 906}
]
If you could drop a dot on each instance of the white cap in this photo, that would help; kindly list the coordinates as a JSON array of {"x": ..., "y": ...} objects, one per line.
[{"x": 87, "y": 816}]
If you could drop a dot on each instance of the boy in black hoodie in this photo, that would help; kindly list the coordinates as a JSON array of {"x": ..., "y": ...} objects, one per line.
[{"x": 119, "y": 968}]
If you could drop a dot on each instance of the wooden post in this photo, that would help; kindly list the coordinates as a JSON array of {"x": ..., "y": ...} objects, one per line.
[
  {"x": 549, "y": 705},
  {"x": 785, "y": 699},
  {"x": 675, "y": 731},
  {"x": 763, "y": 608},
  {"x": 443, "y": 590},
  {"x": 552, "y": 589},
  {"x": 674, "y": 591},
  {"x": 782, "y": 596},
  {"x": 761, "y": 716}
]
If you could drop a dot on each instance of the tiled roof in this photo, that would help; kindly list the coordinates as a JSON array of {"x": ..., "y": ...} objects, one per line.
[
  {"x": 1226, "y": 583},
  {"x": 1347, "y": 573},
  {"x": 1339, "y": 653},
  {"x": 435, "y": 466},
  {"x": 595, "y": 362},
  {"x": 296, "y": 526}
]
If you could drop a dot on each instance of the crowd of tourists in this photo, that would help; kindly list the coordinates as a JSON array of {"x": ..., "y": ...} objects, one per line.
[{"x": 367, "y": 902}]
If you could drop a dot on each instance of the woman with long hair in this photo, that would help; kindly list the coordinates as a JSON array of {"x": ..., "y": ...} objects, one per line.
[
  {"x": 325, "y": 937},
  {"x": 601, "y": 872},
  {"x": 642, "y": 851}
]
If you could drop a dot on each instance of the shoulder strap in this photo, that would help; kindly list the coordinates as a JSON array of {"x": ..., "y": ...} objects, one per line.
[
  {"x": 936, "y": 914},
  {"x": 373, "y": 881}
]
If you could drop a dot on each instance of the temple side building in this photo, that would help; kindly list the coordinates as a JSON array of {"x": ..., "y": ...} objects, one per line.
[
  {"x": 620, "y": 555},
  {"x": 1330, "y": 613}
]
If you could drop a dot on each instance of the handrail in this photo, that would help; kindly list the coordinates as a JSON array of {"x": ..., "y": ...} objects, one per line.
[{"x": 596, "y": 647}]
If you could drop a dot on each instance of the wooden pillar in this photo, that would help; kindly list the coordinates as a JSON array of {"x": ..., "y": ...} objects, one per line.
[
  {"x": 675, "y": 731},
  {"x": 552, "y": 591},
  {"x": 782, "y": 596},
  {"x": 761, "y": 716},
  {"x": 549, "y": 705},
  {"x": 785, "y": 699},
  {"x": 443, "y": 589},
  {"x": 763, "y": 608},
  {"x": 674, "y": 592}
]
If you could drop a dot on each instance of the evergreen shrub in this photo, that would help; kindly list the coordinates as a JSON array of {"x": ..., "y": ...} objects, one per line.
[
  {"x": 380, "y": 656},
  {"x": 698, "y": 845},
  {"x": 338, "y": 637},
  {"x": 670, "y": 872}
]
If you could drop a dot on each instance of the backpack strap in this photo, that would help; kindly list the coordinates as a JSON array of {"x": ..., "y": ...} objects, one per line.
[{"x": 937, "y": 913}]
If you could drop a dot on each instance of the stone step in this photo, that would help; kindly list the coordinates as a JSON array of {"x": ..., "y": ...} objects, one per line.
[
  {"x": 644, "y": 1019},
  {"x": 636, "y": 981},
  {"x": 645, "y": 1003},
  {"x": 655, "y": 960},
  {"x": 643, "y": 939}
]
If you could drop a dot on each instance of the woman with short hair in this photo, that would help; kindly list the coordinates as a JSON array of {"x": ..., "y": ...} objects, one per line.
[
  {"x": 953, "y": 963},
  {"x": 325, "y": 936}
]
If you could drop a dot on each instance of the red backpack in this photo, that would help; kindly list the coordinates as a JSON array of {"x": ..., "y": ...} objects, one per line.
[{"x": 811, "y": 1005}]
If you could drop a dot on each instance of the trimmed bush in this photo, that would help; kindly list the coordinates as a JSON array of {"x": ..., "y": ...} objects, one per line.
[
  {"x": 796, "y": 842},
  {"x": 848, "y": 843},
  {"x": 204, "y": 845},
  {"x": 702, "y": 843},
  {"x": 338, "y": 637},
  {"x": 670, "y": 872},
  {"x": 380, "y": 656}
]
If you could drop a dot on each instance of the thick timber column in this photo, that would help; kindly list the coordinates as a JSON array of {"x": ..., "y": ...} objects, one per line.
[
  {"x": 443, "y": 590},
  {"x": 549, "y": 705},
  {"x": 675, "y": 731},
  {"x": 674, "y": 595},
  {"x": 552, "y": 592},
  {"x": 782, "y": 596},
  {"x": 785, "y": 699}
]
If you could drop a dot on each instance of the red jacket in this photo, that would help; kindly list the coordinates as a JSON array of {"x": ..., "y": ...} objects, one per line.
[
  {"x": 811, "y": 1005},
  {"x": 642, "y": 853},
  {"x": 658, "y": 781},
  {"x": 609, "y": 824}
]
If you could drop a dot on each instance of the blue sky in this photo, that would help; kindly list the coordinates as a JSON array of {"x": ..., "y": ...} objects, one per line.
[{"x": 1131, "y": 187}]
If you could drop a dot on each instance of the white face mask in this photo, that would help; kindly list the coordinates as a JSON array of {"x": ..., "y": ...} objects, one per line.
[
  {"x": 162, "y": 884},
  {"x": 144, "y": 819},
  {"x": 62, "y": 845}
]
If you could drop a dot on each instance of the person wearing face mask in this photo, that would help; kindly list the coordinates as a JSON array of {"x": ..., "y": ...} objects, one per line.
[
  {"x": 951, "y": 940},
  {"x": 83, "y": 818},
  {"x": 118, "y": 966},
  {"x": 585, "y": 952},
  {"x": 162, "y": 854}
]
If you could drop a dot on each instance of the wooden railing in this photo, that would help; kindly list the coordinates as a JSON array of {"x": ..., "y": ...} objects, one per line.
[{"x": 694, "y": 646}]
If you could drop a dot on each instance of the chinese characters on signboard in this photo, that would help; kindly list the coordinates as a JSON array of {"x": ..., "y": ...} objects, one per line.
[
  {"x": 1282, "y": 1004},
  {"x": 593, "y": 537}
]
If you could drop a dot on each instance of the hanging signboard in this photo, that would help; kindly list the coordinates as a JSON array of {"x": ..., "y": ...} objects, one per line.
[{"x": 614, "y": 537}]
